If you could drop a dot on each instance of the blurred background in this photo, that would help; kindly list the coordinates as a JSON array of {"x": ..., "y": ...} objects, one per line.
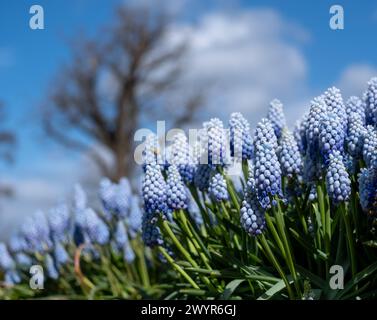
[{"x": 73, "y": 94}]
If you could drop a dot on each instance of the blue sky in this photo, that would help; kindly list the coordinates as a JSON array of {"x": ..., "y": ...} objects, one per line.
[{"x": 309, "y": 57}]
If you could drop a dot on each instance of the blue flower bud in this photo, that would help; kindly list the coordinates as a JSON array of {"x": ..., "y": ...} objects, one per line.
[
  {"x": 253, "y": 219},
  {"x": 6, "y": 261},
  {"x": 52, "y": 272},
  {"x": 331, "y": 136},
  {"x": 371, "y": 102},
  {"x": 338, "y": 182},
  {"x": 267, "y": 170},
  {"x": 370, "y": 145},
  {"x": 177, "y": 197},
  {"x": 241, "y": 142},
  {"x": 60, "y": 254},
  {"x": 289, "y": 155},
  {"x": 355, "y": 105},
  {"x": 276, "y": 116},
  {"x": 368, "y": 189},
  {"x": 334, "y": 102},
  {"x": 182, "y": 156},
  {"x": 355, "y": 136},
  {"x": 217, "y": 188}
]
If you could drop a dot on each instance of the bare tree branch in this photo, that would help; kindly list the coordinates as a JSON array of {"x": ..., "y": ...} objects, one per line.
[{"x": 112, "y": 81}]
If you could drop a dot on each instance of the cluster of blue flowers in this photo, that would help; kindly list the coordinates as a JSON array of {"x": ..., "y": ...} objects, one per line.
[
  {"x": 48, "y": 239},
  {"x": 332, "y": 148},
  {"x": 331, "y": 143}
]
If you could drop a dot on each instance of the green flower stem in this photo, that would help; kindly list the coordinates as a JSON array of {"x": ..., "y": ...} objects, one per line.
[
  {"x": 350, "y": 238},
  {"x": 275, "y": 234},
  {"x": 207, "y": 222},
  {"x": 178, "y": 268},
  {"x": 270, "y": 255},
  {"x": 185, "y": 253},
  {"x": 193, "y": 239},
  {"x": 325, "y": 221},
  {"x": 143, "y": 267},
  {"x": 231, "y": 190},
  {"x": 225, "y": 210},
  {"x": 288, "y": 255}
]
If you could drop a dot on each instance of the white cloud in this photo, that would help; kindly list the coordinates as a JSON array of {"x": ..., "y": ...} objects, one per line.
[
  {"x": 353, "y": 80},
  {"x": 246, "y": 59},
  {"x": 51, "y": 180}
]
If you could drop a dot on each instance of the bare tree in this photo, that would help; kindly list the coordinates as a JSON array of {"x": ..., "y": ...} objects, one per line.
[
  {"x": 7, "y": 142},
  {"x": 128, "y": 75}
]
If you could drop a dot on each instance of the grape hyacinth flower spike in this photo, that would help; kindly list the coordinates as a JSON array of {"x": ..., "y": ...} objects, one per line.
[
  {"x": 252, "y": 215},
  {"x": 276, "y": 116},
  {"x": 214, "y": 140},
  {"x": 354, "y": 105},
  {"x": 371, "y": 102},
  {"x": 368, "y": 189},
  {"x": 370, "y": 145},
  {"x": 241, "y": 142},
  {"x": 334, "y": 102},
  {"x": 177, "y": 197},
  {"x": 217, "y": 188},
  {"x": 331, "y": 136},
  {"x": 182, "y": 155},
  {"x": 155, "y": 204},
  {"x": 267, "y": 171},
  {"x": 338, "y": 182},
  {"x": 355, "y": 136},
  {"x": 289, "y": 155}
]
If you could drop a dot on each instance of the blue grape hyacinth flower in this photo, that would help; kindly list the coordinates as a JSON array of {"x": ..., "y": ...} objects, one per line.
[
  {"x": 215, "y": 141},
  {"x": 152, "y": 153},
  {"x": 368, "y": 189},
  {"x": 331, "y": 136},
  {"x": 202, "y": 176},
  {"x": 338, "y": 182},
  {"x": 151, "y": 233},
  {"x": 276, "y": 116},
  {"x": 317, "y": 110},
  {"x": 122, "y": 242},
  {"x": 134, "y": 220},
  {"x": 355, "y": 136},
  {"x": 371, "y": 102},
  {"x": 17, "y": 243},
  {"x": 299, "y": 133},
  {"x": 59, "y": 220},
  {"x": 217, "y": 188},
  {"x": 370, "y": 145},
  {"x": 154, "y": 190},
  {"x": 334, "y": 102},
  {"x": 115, "y": 198},
  {"x": 241, "y": 142},
  {"x": 289, "y": 155},
  {"x": 61, "y": 255},
  {"x": 95, "y": 228},
  {"x": 12, "y": 277},
  {"x": 52, "y": 272},
  {"x": 182, "y": 155},
  {"x": 23, "y": 260},
  {"x": 176, "y": 194},
  {"x": 253, "y": 219},
  {"x": 267, "y": 171},
  {"x": 355, "y": 105},
  {"x": 6, "y": 261}
]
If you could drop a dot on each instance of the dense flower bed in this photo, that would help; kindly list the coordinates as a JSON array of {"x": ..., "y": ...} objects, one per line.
[{"x": 302, "y": 202}]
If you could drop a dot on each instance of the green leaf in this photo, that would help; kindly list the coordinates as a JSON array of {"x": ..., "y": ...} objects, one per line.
[
  {"x": 230, "y": 288},
  {"x": 364, "y": 274},
  {"x": 274, "y": 290}
]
